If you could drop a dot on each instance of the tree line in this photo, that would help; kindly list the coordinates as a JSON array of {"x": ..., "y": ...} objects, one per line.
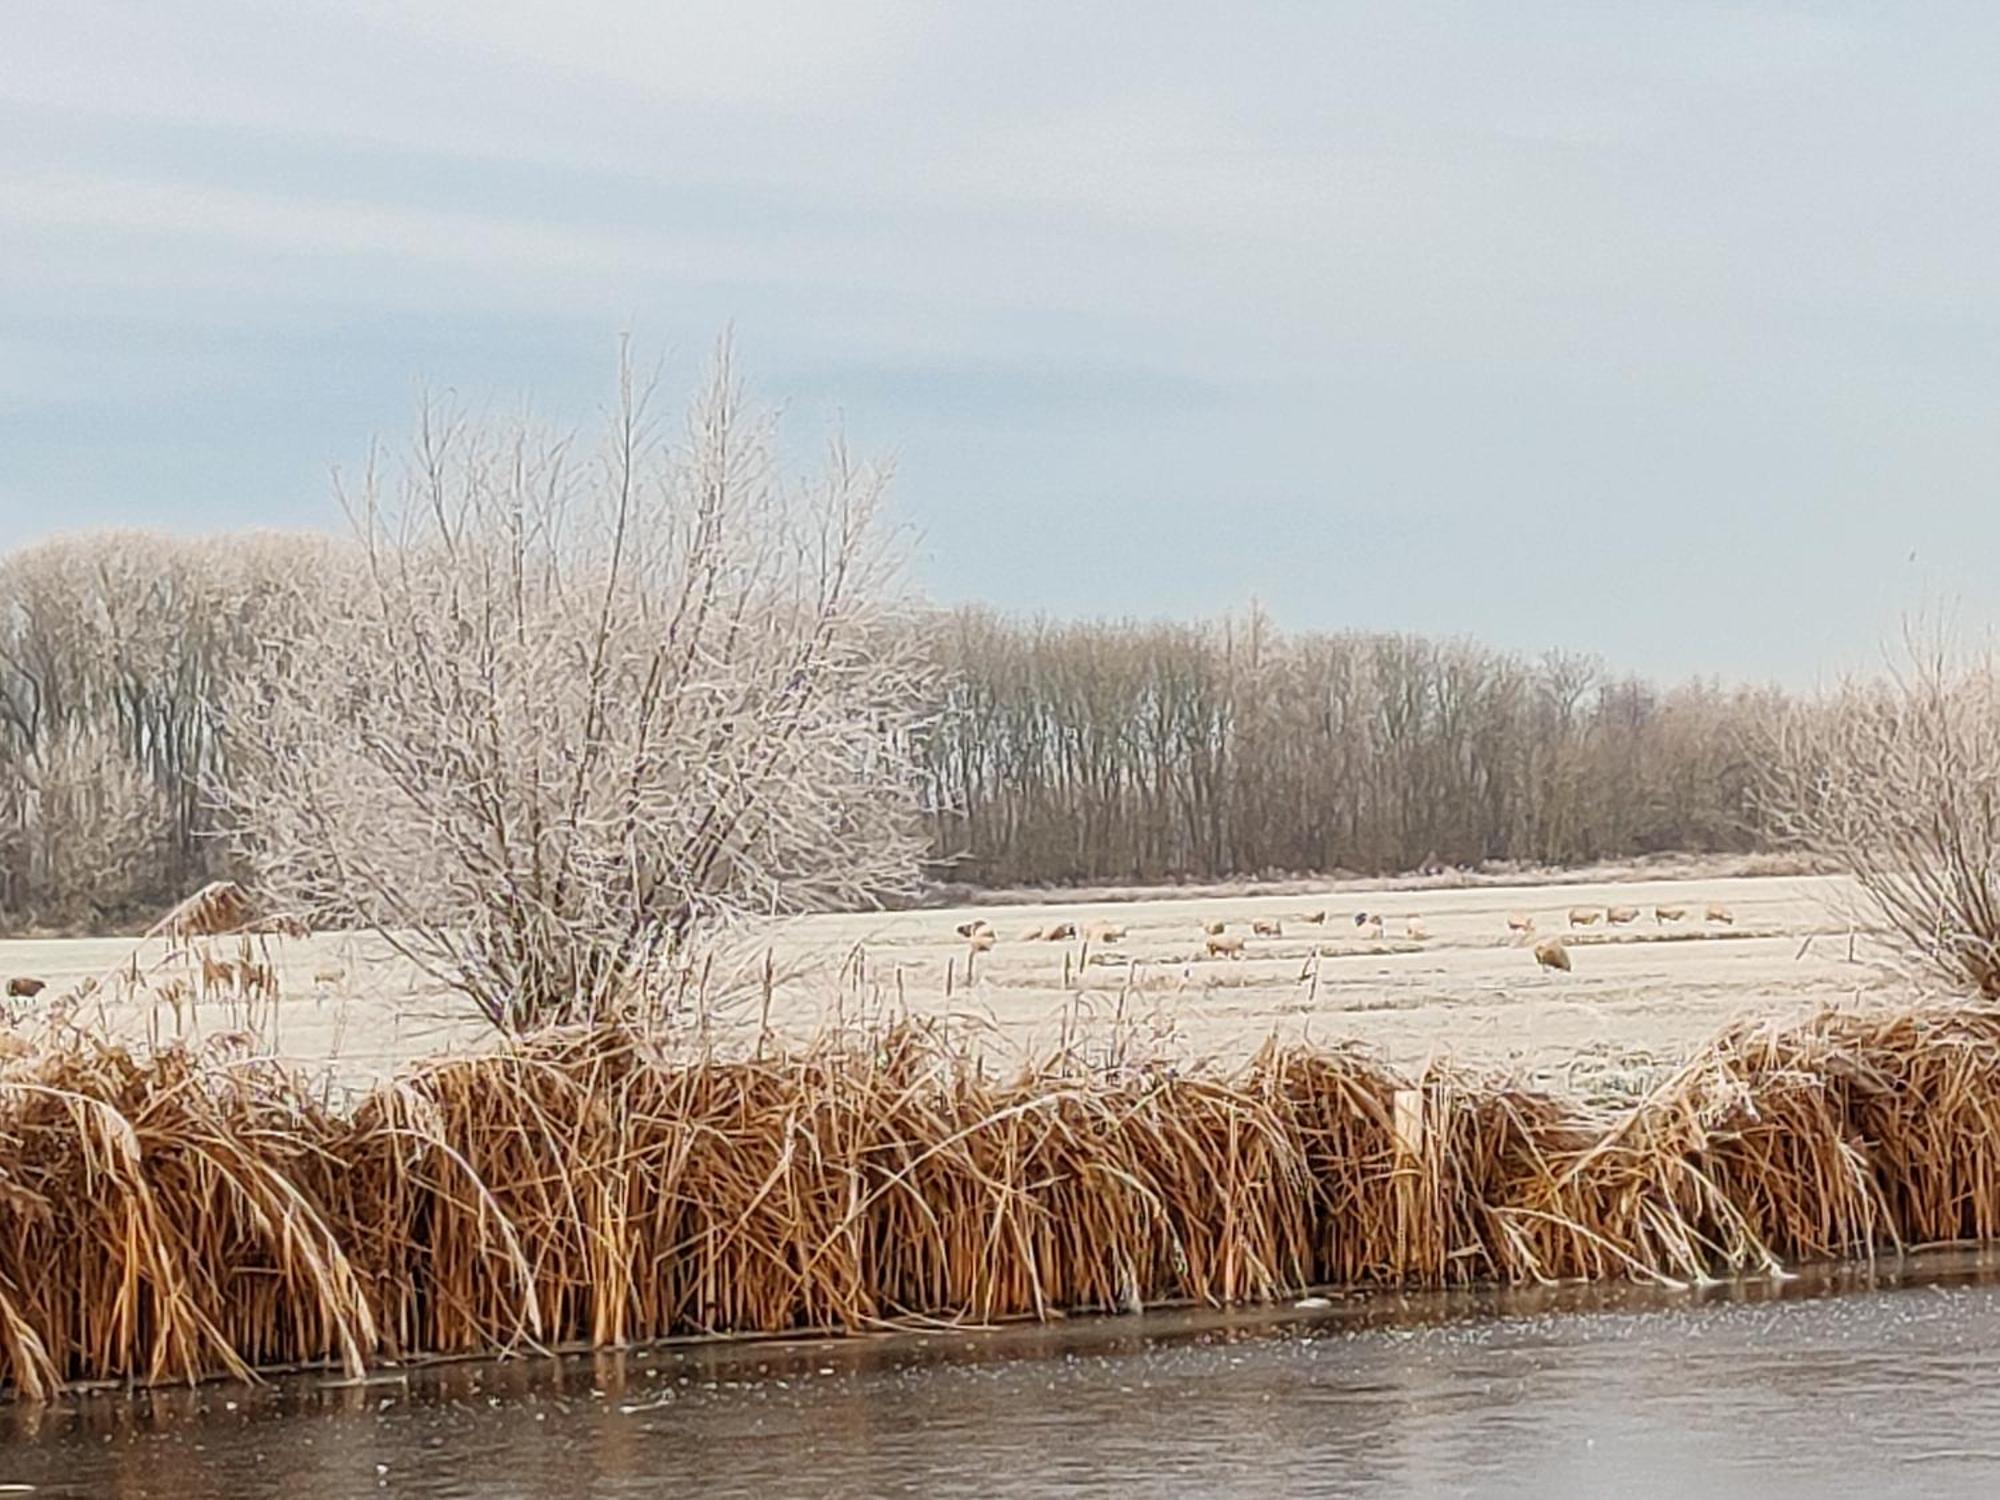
[
  {"x": 1136, "y": 752},
  {"x": 1056, "y": 752},
  {"x": 115, "y": 650}
]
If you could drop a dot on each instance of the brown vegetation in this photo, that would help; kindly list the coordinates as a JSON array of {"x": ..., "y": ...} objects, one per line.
[
  {"x": 219, "y": 907},
  {"x": 186, "y": 1216}
]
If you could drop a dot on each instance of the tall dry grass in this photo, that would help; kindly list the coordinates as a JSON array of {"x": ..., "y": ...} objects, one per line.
[{"x": 189, "y": 1214}]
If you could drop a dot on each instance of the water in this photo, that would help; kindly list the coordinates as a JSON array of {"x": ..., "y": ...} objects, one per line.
[{"x": 1848, "y": 1383}]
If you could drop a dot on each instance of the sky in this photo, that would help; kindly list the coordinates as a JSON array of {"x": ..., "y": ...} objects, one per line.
[{"x": 1661, "y": 331}]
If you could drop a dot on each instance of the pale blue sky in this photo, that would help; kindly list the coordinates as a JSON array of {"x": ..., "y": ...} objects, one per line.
[{"x": 1666, "y": 331}]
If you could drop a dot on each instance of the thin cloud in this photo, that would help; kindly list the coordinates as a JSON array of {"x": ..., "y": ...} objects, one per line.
[{"x": 1689, "y": 300}]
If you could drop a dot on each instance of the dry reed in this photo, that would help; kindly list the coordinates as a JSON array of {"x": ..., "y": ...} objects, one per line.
[
  {"x": 220, "y": 908},
  {"x": 183, "y": 1214}
]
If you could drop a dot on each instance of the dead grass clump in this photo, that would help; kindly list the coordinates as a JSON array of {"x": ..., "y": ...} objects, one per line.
[
  {"x": 1345, "y": 1110},
  {"x": 152, "y": 1227},
  {"x": 190, "y": 1213},
  {"x": 218, "y": 909},
  {"x": 1916, "y": 1092}
]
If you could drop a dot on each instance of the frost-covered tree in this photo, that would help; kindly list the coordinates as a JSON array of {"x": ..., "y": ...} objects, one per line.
[{"x": 563, "y": 708}]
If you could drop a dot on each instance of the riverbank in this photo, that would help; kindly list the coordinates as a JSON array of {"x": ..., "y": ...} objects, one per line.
[
  {"x": 1535, "y": 1391},
  {"x": 170, "y": 1217}
]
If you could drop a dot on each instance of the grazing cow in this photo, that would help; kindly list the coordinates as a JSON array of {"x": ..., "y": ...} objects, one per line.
[
  {"x": 1371, "y": 928},
  {"x": 1060, "y": 932},
  {"x": 1618, "y": 916},
  {"x": 1032, "y": 935},
  {"x": 1106, "y": 932},
  {"x": 24, "y": 988},
  {"x": 1666, "y": 914},
  {"x": 1551, "y": 954},
  {"x": 1722, "y": 914},
  {"x": 1213, "y": 929},
  {"x": 1264, "y": 927},
  {"x": 1583, "y": 916},
  {"x": 1416, "y": 930},
  {"x": 1521, "y": 922},
  {"x": 975, "y": 926},
  {"x": 1226, "y": 945},
  {"x": 1314, "y": 918},
  {"x": 981, "y": 941}
]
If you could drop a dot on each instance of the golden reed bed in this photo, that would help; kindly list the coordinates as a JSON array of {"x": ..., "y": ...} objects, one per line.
[{"x": 180, "y": 1216}]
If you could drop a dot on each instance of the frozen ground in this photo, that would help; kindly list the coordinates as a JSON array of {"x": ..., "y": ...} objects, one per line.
[{"x": 1468, "y": 987}]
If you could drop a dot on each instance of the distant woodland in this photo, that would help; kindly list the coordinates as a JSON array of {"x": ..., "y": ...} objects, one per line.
[
  {"x": 1111, "y": 752},
  {"x": 1058, "y": 752}
]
